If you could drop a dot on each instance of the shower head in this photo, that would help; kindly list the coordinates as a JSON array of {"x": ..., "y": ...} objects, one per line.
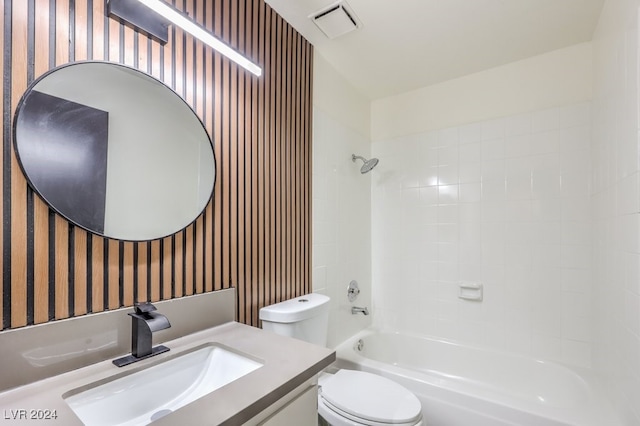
[{"x": 368, "y": 164}]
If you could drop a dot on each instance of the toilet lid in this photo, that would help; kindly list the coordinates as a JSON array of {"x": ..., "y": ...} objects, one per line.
[{"x": 371, "y": 397}]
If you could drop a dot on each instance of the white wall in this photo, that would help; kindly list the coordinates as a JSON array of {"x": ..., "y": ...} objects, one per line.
[
  {"x": 338, "y": 99},
  {"x": 553, "y": 79},
  {"x": 501, "y": 197},
  {"x": 503, "y": 202},
  {"x": 341, "y": 199},
  {"x": 616, "y": 204}
]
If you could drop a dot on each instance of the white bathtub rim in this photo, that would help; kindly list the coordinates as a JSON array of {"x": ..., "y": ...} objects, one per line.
[
  {"x": 597, "y": 406},
  {"x": 585, "y": 375},
  {"x": 375, "y": 330}
]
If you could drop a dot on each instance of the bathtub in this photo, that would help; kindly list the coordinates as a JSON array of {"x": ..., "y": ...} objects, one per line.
[{"x": 461, "y": 385}]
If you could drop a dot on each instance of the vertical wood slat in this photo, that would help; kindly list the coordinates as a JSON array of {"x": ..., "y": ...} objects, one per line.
[
  {"x": 208, "y": 87},
  {"x": 199, "y": 88},
  {"x": 234, "y": 135},
  {"x": 243, "y": 186},
  {"x": 308, "y": 123},
  {"x": 41, "y": 211},
  {"x": 277, "y": 161},
  {"x": 254, "y": 234},
  {"x": 265, "y": 119},
  {"x": 5, "y": 292},
  {"x": 30, "y": 208},
  {"x": 224, "y": 162},
  {"x": 189, "y": 239},
  {"x": 255, "y": 263},
  {"x": 288, "y": 141},
  {"x": 18, "y": 183}
]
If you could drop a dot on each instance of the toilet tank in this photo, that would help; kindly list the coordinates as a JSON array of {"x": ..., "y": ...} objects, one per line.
[{"x": 305, "y": 318}]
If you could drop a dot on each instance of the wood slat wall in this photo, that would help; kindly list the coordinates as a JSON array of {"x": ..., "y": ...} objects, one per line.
[{"x": 254, "y": 235}]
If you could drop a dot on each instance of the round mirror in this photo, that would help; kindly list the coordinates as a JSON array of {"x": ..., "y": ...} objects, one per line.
[{"x": 114, "y": 151}]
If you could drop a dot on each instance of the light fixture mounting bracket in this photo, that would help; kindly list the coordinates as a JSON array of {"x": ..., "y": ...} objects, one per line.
[{"x": 141, "y": 17}]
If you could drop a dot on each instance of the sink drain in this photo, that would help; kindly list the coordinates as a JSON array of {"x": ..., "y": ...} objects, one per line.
[{"x": 159, "y": 414}]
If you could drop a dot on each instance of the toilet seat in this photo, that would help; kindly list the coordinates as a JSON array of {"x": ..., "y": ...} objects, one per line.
[{"x": 369, "y": 399}]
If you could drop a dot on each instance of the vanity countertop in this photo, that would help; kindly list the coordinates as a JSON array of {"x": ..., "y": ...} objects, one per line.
[{"x": 288, "y": 363}]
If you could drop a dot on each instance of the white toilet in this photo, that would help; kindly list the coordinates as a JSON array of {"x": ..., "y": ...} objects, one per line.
[{"x": 346, "y": 398}]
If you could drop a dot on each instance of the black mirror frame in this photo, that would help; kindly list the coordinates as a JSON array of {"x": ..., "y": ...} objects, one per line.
[{"x": 143, "y": 74}]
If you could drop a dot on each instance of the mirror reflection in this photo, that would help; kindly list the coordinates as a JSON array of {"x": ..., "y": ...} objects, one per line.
[{"x": 114, "y": 151}]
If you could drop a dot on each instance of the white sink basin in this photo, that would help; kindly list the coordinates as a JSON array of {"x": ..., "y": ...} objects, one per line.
[{"x": 147, "y": 395}]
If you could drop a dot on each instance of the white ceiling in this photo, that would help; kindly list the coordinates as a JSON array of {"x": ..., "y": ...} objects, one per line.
[{"x": 407, "y": 44}]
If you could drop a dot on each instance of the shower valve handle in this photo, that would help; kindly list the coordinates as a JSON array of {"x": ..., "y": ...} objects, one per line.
[{"x": 353, "y": 291}]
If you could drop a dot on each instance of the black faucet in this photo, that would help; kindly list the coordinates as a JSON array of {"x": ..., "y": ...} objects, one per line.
[{"x": 145, "y": 322}]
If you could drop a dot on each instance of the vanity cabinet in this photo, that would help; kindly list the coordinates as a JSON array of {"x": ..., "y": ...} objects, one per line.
[{"x": 298, "y": 407}]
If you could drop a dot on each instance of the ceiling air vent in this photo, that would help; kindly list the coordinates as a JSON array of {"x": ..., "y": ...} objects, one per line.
[{"x": 336, "y": 20}]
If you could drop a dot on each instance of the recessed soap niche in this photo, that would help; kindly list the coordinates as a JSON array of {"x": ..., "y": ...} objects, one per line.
[{"x": 471, "y": 290}]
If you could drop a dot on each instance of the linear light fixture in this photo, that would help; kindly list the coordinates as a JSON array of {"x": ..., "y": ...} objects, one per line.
[{"x": 177, "y": 18}]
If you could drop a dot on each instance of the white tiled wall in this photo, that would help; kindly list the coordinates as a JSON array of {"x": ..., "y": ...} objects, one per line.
[
  {"x": 616, "y": 206},
  {"x": 341, "y": 222},
  {"x": 504, "y": 202}
]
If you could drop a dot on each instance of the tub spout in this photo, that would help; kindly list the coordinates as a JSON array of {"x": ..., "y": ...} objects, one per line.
[{"x": 358, "y": 310}]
